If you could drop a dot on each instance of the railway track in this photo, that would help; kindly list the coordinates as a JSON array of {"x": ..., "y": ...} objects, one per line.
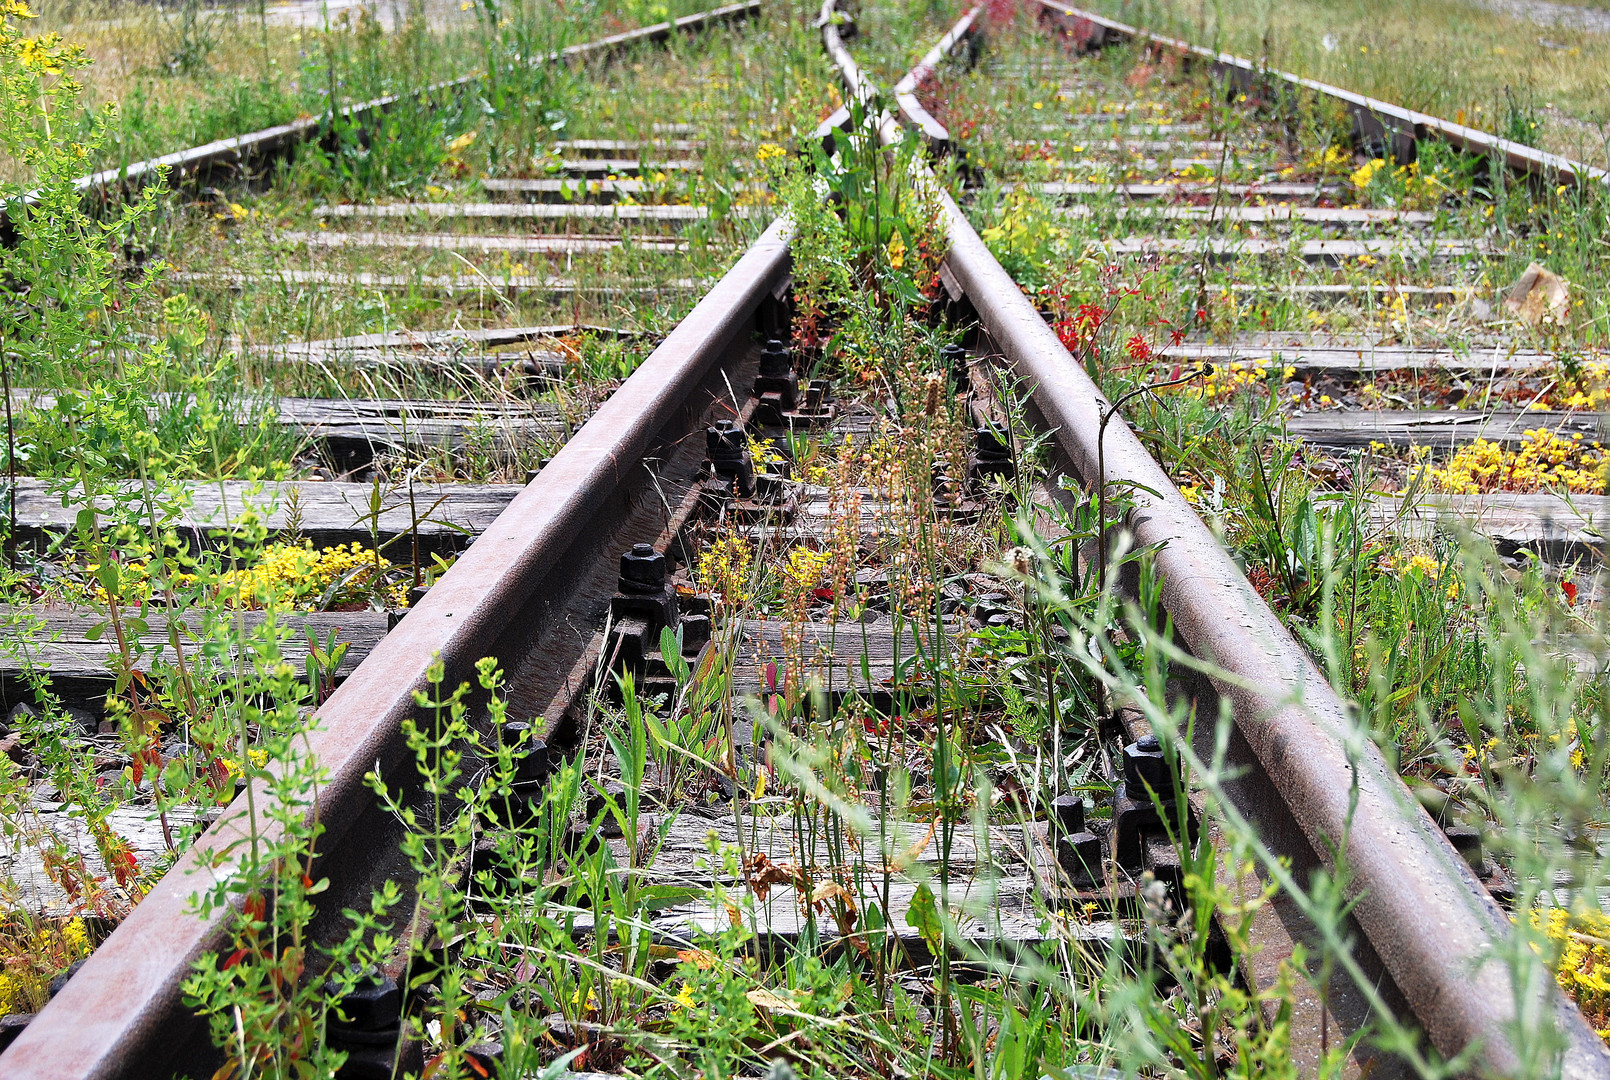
[{"x": 880, "y": 515}]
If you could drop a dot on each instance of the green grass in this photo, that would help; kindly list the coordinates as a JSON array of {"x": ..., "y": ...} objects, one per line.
[{"x": 1450, "y": 58}]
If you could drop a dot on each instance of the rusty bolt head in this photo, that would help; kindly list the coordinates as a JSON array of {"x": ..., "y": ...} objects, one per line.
[
  {"x": 991, "y": 444},
  {"x": 642, "y": 569},
  {"x": 1079, "y": 855},
  {"x": 1468, "y": 842},
  {"x": 1144, "y": 767},
  {"x": 1068, "y": 814},
  {"x": 725, "y": 440},
  {"x": 374, "y": 1004},
  {"x": 816, "y": 395},
  {"x": 776, "y": 362}
]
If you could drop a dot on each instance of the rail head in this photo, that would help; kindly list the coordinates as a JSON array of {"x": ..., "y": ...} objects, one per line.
[
  {"x": 1372, "y": 114},
  {"x": 1439, "y": 934},
  {"x": 117, "y": 1016},
  {"x": 239, "y": 149}
]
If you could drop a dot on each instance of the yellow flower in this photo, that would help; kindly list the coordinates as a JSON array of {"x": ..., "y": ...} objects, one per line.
[
  {"x": 767, "y": 151},
  {"x": 897, "y": 252},
  {"x": 724, "y": 568},
  {"x": 684, "y": 997},
  {"x": 1544, "y": 461},
  {"x": 1366, "y": 172},
  {"x": 805, "y": 566}
]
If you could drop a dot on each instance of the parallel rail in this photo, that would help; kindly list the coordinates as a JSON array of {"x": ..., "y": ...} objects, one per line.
[
  {"x": 1429, "y": 921},
  {"x": 258, "y": 146},
  {"x": 523, "y": 592},
  {"x": 1375, "y": 121}
]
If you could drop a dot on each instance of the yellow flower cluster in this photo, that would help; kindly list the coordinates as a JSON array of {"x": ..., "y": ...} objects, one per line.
[
  {"x": 1483, "y": 753},
  {"x": 1416, "y": 188},
  {"x": 1424, "y": 565},
  {"x": 765, "y": 452},
  {"x": 724, "y": 568},
  {"x": 1590, "y": 389},
  {"x": 294, "y": 573},
  {"x": 1581, "y": 940},
  {"x": 1331, "y": 160},
  {"x": 805, "y": 566},
  {"x": 1228, "y": 380},
  {"x": 1366, "y": 172},
  {"x": 31, "y": 954},
  {"x": 1545, "y": 461},
  {"x": 767, "y": 151},
  {"x": 256, "y": 755}
]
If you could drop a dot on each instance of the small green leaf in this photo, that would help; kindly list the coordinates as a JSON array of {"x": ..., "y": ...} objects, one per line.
[{"x": 923, "y": 916}]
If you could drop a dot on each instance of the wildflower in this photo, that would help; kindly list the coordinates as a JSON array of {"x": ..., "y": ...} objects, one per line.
[
  {"x": 1138, "y": 348},
  {"x": 805, "y": 567},
  {"x": 684, "y": 997},
  {"x": 724, "y": 568},
  {"x": 1423, "y": 565},
  {"x": 1362, "y": 176},
  {"x": 1544, "y": 461},
  {"x": 767, "y": 151}
]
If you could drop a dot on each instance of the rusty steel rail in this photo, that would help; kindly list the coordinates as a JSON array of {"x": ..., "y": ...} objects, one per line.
[
  {"x": 122, "y": 1015},
  {"x": 1375, "y": 121},
  {"x": 905, "y": 91},
  {"x": 237, "y": 151},
  {"x": 1429, "y": 921}
]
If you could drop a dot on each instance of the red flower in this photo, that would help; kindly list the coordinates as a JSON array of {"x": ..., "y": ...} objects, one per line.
[
  {"x": 1138, "y": 348},
  {"x": 1176, "y": 336}
]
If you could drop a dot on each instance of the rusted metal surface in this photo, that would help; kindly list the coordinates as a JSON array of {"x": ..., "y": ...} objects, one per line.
[
  {"x": 1393, "y": 127},
  {"x": 905, "y": 91},
  {"x": 122, "y": 1015},
  {"x": 259, "y": 146},
  {"x": 1430, "y": 922}
]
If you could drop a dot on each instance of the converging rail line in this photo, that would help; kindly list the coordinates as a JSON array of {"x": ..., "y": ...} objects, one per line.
[{"x": 591, "y": 581}]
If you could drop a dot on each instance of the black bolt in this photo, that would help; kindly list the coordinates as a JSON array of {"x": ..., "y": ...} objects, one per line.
[
  {"x": 725, "y": 442},
  {"x": 642, "y": 569},
  {"x": 59, "y": 983},
  {"x": 1079, "y": 855},
  {"x": 695, "y": 632},
  {"x": 1068, "y": 814},
  {"x": 1144, "y": 768},
  {"x": 374, "y": 1004},
  {"x": 955, "y": 358},
  {"x": 776, "y": 362},
  {"x": 816, "y": 395},
  {"x": 11, "y": 1026},
  {"x": 991, "y": 605},
  {"x": 991, "y": 445},
  {"x": 530, "y": 753},
  {"x": 729, "y": 455},
  {"x": 1467, "y": 841}
]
